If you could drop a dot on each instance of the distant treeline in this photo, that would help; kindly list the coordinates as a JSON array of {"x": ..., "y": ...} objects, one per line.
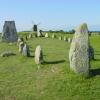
[{"x": 64, "y": 32}]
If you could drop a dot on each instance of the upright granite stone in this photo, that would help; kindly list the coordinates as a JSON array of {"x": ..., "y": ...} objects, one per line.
[
  {"x": 26, "y": 51},
  {"x": 78, "y": 54},
  {"x": 60, "y": 37},
  {"x": 9, "y": 33},
  {"x": 30, "y": 35},
  {"x": 65, "y": 39},
  {"x": 69, "y": 40},
  {"x": 20, "y": 39},
  {"x": 21, "y": 45},
  {"x": 38, "y": 55},
  {"x": 46, "y": 35},
  {"x": 53, "y": 36}
]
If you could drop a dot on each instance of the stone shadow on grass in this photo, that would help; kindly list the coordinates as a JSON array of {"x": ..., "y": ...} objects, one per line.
[
  {"x": 96, "y": 59},
  {"x": 54, "y": 62},
  {"x": 31, "y": 56},
  {"x": 95, "y": 72}
]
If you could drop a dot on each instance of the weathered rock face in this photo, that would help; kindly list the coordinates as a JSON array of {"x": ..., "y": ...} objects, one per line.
[
  {"x": 53, "y": 36},
  {"x": 21, "y": 45},
  {"x": 60, "y": 38},
  {"x": 20, "y": 39},
  {"x": 69, "y": 40},
  {"x": 79, "y": 55},
  {"x": 46, "y": 35},
  {"x": 26, "y": 51},
  {"x": 9, "y": 32},
  {"x": 39, "y": 33},
  {"x": 65, "y": 39},
  {"x": 38, "y": 55},
  {"x": 30, "y": 35}
]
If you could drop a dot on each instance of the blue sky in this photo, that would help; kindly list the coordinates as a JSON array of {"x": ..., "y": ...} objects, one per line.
[{"x": 51, "y": 14}]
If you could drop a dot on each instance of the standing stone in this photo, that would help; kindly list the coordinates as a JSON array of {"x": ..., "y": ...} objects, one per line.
[
  {"x": 38, "y": 55},
  {"x": 20, "y": 39},
  {"x": 30, "y": 35},
  {"x": 69, "y": 40},
  {"x": 26, "y": 51},
  {"x": 60, "y": 38},
  {"x": 46, "y": 35},
  {"x": 21, "y": 45},
  {"x": 9, "y": 32},
  {"x": 39, "y": 33},
  {"x": 53, "y": 36},
  {"x": 65, "y": 39},
  {"x": 79, "y": 55}
]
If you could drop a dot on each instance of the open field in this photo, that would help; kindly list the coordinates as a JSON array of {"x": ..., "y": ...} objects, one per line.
[{"x": 22, "y": 79}]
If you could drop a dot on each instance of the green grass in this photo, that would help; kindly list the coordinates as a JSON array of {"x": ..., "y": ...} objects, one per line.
[{"x": 20, "y": 78}]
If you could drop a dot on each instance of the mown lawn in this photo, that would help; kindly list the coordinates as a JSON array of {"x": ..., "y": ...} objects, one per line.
[{"x": 22, "y": 79}]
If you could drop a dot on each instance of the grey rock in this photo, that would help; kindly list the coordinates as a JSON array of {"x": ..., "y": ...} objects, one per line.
[
  {"x": 9, "y": 33},
  {"x": 69, "y": 40},
  {"x": 53, "y": 36},
  {"x": 26, "y": 51},
  {"x": 38, "y": 55},
  {"x": 60, "y": 38},
  {"x": 7, "y": 54},
  {"x": 20, "y": 39},
  {"x": 21, "y": 45},
  {"x": 30, "y": 35},
  {"x": 65, "y": 39},
  {"x": 46, "y": 35},
  {"x": 78, "y": 54}
]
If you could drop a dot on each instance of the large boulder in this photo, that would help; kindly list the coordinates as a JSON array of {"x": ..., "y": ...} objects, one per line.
[
  {"x": 38, "y": 55},
  {"x": 9, "y": 33},
  {"x": 78, "y": 54}
]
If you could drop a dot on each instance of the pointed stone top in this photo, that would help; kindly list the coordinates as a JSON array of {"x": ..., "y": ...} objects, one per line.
[
  {"x": 82, "y": 29},
  {"x": 39, "y": 47}
]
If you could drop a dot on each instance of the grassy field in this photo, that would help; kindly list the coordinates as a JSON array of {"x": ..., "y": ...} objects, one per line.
[{"x": 20, "y": 78}]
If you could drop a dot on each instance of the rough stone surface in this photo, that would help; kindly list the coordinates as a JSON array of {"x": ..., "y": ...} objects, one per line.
[
  {"x": 20, "y": 39},
  {"x": 60, "y": 38},
  {"x": 53, "y": 36},
  {"x": 65, "y": 39},
  {"x": 21, "y": 45},
  {"x": 30, "y": 35},
  {"x": 26, "y": 51},
  {"x": 39, "y": 33},
  {"x": 78, "y": 54},
  {"x": 9, "y": 33},
  {"x": 46, "y": 35},
  {"x": 38, "y": 55},
  {"x": 69, "y": 40},
  {"x": 7, "y": 54}
]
